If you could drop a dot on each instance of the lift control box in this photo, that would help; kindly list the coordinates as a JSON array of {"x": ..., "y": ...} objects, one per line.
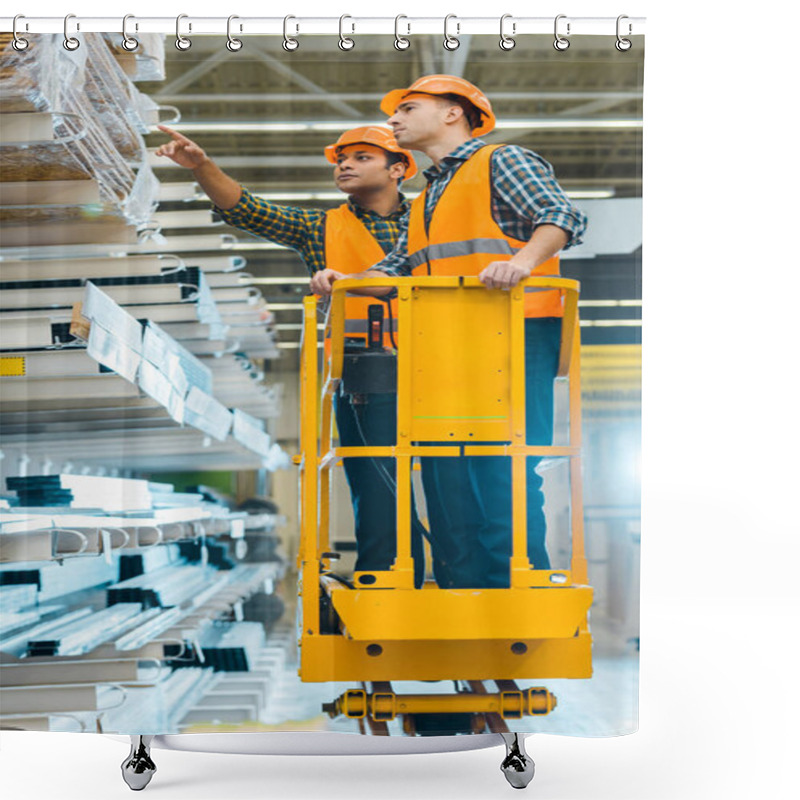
[{"x": 368, "y": 367}]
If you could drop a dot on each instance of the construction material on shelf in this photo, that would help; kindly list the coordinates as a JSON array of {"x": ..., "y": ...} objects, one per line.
[{"x": 73, "y": 116}]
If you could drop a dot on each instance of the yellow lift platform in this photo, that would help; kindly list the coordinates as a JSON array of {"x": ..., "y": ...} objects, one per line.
[{"x": 460, "y": 378}]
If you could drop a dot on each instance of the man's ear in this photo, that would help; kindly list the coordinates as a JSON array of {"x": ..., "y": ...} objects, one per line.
[
  {"x": 454, "y": 113},
  {"x": 397, "y": 170}
]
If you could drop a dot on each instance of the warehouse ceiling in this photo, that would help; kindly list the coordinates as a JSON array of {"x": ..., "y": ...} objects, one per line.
[{"x": 580, "y": 109}]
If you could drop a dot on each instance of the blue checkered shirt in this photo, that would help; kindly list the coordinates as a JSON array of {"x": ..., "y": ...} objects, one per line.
[
  {"x": 525, "y": 194},
  {"x": 303, "y": 229}
]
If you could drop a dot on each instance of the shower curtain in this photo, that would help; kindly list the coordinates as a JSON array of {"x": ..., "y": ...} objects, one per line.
[{"x": 176, "y": 557}]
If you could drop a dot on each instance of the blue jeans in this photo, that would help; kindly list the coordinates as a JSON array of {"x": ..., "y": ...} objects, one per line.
[
  {"x": 469, "y": 497},
  {"x": 374, "y": 423}
]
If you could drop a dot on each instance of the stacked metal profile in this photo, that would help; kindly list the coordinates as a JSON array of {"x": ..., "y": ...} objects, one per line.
[
  {"x": 95, "y": 640},
  {"x": 123, "y": 352},
  {"x": 175, "y": 335}
]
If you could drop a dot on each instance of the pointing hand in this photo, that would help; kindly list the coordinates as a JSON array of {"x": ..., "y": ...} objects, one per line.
[{"x": 181, "y": 150}]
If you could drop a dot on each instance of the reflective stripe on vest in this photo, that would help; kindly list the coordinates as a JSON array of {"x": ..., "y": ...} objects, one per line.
[
  {"x": 351, "y": 248},
  {"x": 455, "y": 249},
  {"x": 463, "y": 238}
]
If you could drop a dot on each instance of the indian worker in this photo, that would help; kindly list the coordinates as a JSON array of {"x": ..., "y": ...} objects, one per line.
[
  {"x": 368, "y": 167},
  {"x": 496, "y": 212}
]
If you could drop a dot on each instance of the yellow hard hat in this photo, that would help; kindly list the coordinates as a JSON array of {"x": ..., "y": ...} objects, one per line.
[
  {"x": 377, "y": 135},
  {"x": 445, "y": 84}
]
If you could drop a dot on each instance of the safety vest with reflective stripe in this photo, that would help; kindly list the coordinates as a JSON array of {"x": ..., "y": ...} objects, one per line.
[
  {"x": 350, "y": 248},
  {"x": 463, "y": 237}
]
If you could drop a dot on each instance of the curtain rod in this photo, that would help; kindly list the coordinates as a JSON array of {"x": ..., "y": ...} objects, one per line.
[{"x": 402, "y": 25}]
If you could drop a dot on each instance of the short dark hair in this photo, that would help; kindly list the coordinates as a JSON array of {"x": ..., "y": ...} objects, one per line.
[
  {"x": 471, "y": 113},
  {"x": 396, "y": 158}
]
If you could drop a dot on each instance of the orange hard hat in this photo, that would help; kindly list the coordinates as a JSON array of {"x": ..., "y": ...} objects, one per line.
[
  {"x": 377, "y": 135},
  {"x": 445, "y": 84}
]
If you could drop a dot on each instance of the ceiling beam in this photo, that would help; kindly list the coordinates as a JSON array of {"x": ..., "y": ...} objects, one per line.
[
  {"x": 197, "y": 71},
  {"x": 292, "y": 97},
  {"x": 598, "y": 104},
  {"x": 287, "y": 72},
  {"x": 247, "y": 162}
]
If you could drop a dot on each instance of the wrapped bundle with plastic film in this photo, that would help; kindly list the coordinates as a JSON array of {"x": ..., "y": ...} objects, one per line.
[
  {"x": 147, "y": 63},
  {"x": 31, "y": 82},
  {"x": 75, "y": 116},
  {"x": 108, "y": 91},
  {"x": 30, "y": 79}
]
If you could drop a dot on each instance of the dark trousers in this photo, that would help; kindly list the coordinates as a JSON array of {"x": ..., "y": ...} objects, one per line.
[
  {"x": 374, "y": 423},
  {"x": 469, "y": 498}
]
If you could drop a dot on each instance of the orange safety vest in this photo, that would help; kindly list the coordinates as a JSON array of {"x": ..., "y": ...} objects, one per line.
[
  {"x": 350, "y": 248},
  {"x": 463, "y": 237}
]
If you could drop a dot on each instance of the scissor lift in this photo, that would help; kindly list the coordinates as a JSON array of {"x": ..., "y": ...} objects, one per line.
[{"x": 460, "y": 378}]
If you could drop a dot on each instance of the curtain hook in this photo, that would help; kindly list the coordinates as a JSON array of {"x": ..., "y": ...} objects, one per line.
[
  {"x": 507, "y": 42},
  {"x": 345, "y": 43},
  {"x": 233, "y": 44},
  {"x": 560, "y": 43},
  {"x": 181, "y": 42},
  {"x": 70, "y": 42},
  {"x": 451, "y": 42},
  {"x": 623, "y": 45},
  {"x": 400, "y": 42},
  {"x": 289, "y": 44},
  {"x": 18, "y": 43},
  {"x": 128, "y": 43}
]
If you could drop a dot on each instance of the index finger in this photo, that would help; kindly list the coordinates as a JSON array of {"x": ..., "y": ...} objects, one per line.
[{"x": 173, "y": 133}]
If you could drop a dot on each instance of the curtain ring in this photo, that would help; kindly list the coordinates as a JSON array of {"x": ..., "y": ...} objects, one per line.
[
  {"x": 181, "y": 42},
  {"x": 450, "y": 42},
  {"x": 400, "y": 42},
  {"x": 560, "y": 43},
  {"x": 233, "y": 44},
  {"x": 18, "y": 43},
  {"x": 128, "y": 43},
  {"x": 345, "y": 42},
  {"x": 506, "y": 41},
  {"x": 70, "y": 42},
  {"x": 289, "y": 44},
  {"x": 623, "y": 45}
]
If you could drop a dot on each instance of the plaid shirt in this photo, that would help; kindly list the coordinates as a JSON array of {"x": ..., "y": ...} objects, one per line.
[
  {"x": 525, "y": 194},
  {"x": 303, "y": 229}
]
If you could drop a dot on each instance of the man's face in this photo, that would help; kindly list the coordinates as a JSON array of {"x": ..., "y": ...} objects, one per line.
[
  {"x": 418, "y": 120},
  {"x": 362, "y": 167}
]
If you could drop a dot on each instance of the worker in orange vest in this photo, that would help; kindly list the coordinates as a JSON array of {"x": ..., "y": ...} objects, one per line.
[
  {"x": 369, "y": 167},
  {"x": 496, "y": 212}
]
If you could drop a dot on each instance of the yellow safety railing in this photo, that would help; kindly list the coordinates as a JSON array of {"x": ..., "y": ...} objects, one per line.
[{"x": 448, "y": 308}]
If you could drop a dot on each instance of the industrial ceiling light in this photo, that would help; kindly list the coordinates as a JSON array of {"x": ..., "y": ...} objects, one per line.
[{"x": 533, "y": 123}]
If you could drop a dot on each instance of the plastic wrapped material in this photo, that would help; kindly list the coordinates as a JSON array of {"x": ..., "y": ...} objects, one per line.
[
  {"x": 31, "y": 79},
  {"x": 149, "y": 112},
  {"x": 108, "y": 90},
  {"x": 88, "y": 125},
  {"x": 43, "y": 163},
  {"x": 142, "y": 199},
  {"x": 28, "y": 226},
  {"x": 35, "y": 215},
  {"x": 147, "y": 63}
]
